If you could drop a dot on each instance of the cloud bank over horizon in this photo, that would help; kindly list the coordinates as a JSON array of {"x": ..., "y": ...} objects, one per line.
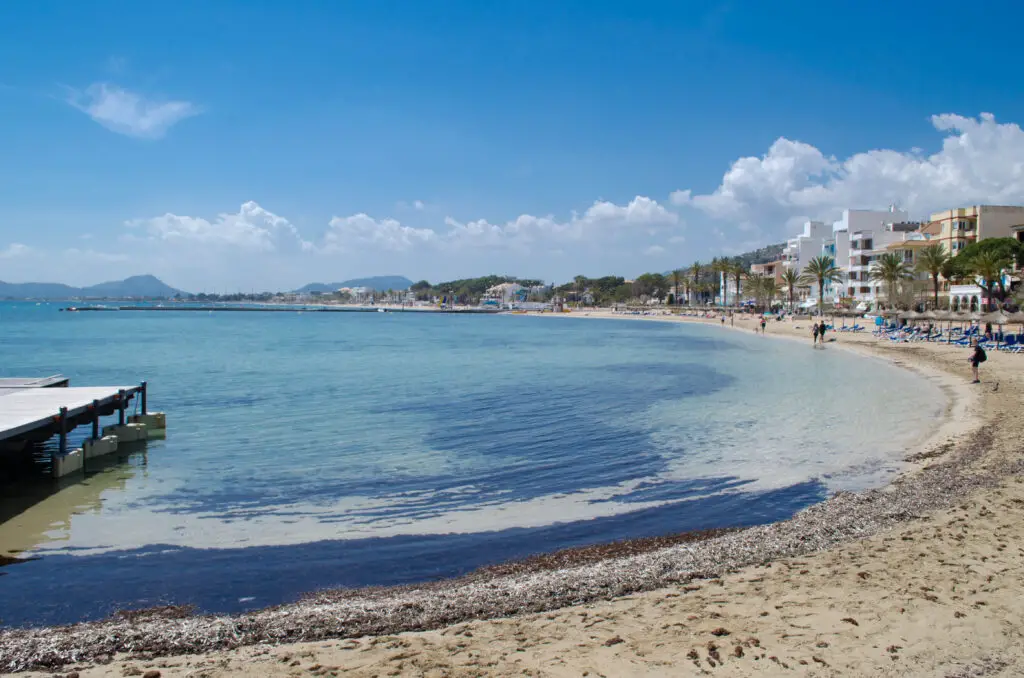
[{"x": 760, "y": 199}]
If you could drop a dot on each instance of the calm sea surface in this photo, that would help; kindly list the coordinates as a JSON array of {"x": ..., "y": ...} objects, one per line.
[{"x": 312, "y": 450}]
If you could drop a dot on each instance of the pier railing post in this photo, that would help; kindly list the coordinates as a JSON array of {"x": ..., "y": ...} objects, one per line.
[
  {"x": 144, "y": 399},
  {"x": 120, "y": 407},
  {"x": 95, "y": 419}
]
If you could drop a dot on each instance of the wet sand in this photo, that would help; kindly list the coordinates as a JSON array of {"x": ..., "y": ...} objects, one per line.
[{"x": 921, "y": 578}]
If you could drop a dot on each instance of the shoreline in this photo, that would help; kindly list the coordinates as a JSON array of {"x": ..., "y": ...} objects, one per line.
[
  {"x": 959, "y": 415},
  {"x": 947, "y": 471}
]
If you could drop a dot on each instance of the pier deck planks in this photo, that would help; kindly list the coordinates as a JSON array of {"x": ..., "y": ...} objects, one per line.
[{"x": 26, "y": 409}]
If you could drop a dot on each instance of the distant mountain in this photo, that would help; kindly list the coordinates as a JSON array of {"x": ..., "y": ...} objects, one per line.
[
  {"x": 379, "y": 283},
  {"x": 134, "y": 287}
]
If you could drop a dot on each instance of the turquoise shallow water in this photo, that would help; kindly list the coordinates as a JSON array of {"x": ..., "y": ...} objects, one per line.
[{"x": 311, "y": 450}]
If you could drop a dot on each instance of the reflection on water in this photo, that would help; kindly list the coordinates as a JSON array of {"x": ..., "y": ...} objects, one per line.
[{"x": 37, "y": 510}]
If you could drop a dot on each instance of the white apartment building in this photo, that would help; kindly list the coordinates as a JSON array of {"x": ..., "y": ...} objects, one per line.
[
  {"x": 505, "y": 292},
  {"x": 801, "y": 249},
  {"x": 854, "y": 234},
  {"x": 866, "y": 246}
]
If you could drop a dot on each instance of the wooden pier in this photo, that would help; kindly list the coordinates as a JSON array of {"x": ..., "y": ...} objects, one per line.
[
  {"x": 33, "y": 411},
  {"x": 55, "y": 381}
]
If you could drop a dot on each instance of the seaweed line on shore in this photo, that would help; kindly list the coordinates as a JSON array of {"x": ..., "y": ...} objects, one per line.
[{"x": 536, "y": 585}]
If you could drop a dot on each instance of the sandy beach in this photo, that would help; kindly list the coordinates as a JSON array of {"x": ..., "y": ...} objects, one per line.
[{"x": 922, "y": 578}]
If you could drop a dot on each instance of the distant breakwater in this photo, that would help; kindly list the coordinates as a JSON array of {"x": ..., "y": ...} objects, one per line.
[{"x": 280, "y": 309}]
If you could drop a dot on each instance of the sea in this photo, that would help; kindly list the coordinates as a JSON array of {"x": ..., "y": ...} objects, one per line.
[{"x": 311, "y": 450}]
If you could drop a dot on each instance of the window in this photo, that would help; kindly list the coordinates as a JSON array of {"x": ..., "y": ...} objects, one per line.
[
  {"x": 908, "y": 256},
  {"x": 867, "y": 244}
]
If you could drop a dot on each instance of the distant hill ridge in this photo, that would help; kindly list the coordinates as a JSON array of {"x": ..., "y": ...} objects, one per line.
[
  {"x": 379, "y": 283},
  {"x": 135, "y": 287}
]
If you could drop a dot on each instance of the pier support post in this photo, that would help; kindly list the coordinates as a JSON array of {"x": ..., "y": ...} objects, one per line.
[
  {"x": 143, "y": 397},
  {"x": 120, "y": 407},
  {"x": 62, "y": 424},
  {"x": 95, "y": 420}
]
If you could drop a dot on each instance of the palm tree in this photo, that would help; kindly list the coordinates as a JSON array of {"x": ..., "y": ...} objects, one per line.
[
  {"x": 738, "y": 270},
  {"x": 705, "y": 289},
  {"x": 580, "y": 282},
  {"x": 932, "y": 260},
  {"x": 676, "y": 275},
  {"x": 764, "y": 289},
  {"x": 769, "y": 290},
  {"x": 821, "y": 270},
  {"x": 696, "y": 273},
  {"x": 723, "y": 267},
  {"x": 790, "y": 278},
  {"x": 891, "y": 270},
  {"x": 752, "y": 287},
  {"x": 989, "y": 267}
]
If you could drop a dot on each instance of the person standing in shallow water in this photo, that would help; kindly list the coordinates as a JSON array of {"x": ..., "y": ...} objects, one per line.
[{"x": 763, "y": 323}]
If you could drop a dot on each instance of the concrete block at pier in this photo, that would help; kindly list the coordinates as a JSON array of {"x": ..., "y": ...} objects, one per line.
[
  {"x": 129, "y": 433},
  {"x": 68, "y": 464},
  {"x": 99, "y": 447},
  {"x": 155, "y": 423}
]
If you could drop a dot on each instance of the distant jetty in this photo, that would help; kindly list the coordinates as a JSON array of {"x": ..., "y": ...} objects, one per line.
[{"x": 288, "y": 309}]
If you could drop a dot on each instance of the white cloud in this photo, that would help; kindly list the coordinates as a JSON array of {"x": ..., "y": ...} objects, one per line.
[
  {"x": 757, "y": 201},
  {"x": 252, "y": 228},
  {"x": 601, "y": 223},
  {"x": 680, "y": 197},
  {"x": 980, "y": 162},
  {"x": 361, "y": 231},
  {"x": 15, "y": 250},
  {"x": 128, "y": 113},
  {"x": 413, "y": 205}
]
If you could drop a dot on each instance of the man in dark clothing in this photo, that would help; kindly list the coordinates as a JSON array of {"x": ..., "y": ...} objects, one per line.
[{"x": 977, "y": 358}]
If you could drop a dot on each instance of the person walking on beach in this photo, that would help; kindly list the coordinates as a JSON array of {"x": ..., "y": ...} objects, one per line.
[
  {"x": 814, "y": 332},
  {"x": 763, "y": 323},
  {"x": 977, "y": 358},
  {"x": 821, "y": 332}
]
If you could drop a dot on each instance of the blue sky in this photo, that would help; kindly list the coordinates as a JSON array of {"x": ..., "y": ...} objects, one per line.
[{"x": 240, "y": 145}]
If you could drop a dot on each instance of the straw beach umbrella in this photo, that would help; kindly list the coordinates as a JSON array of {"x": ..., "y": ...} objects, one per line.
[
  {"x": 997, "y": 318},
  {"x": 910, "y": 315},
  {"x": 931, "y": 317}
]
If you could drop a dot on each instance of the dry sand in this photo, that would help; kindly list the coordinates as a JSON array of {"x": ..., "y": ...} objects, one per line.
[{"x": 935, "y": 594}]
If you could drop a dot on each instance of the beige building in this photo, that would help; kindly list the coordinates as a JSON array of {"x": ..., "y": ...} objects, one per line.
[
  {"x": 772, "y": 269},
  {"x": 956, "y": 228}
]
